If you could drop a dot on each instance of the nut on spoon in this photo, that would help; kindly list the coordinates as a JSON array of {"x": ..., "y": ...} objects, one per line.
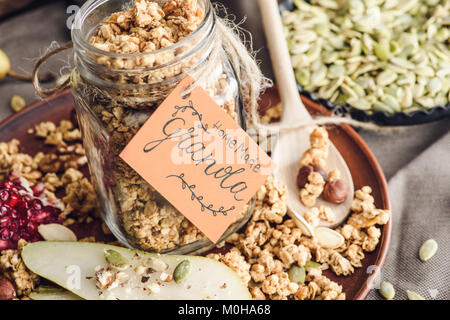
[{"x": 292, "y": 143}]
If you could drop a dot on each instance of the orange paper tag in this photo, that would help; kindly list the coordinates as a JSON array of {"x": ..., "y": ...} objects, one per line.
[{"x": 199, "y": 159}]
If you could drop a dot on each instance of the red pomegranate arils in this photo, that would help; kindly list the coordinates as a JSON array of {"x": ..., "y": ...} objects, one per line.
[{"x": 22, "y": 210}]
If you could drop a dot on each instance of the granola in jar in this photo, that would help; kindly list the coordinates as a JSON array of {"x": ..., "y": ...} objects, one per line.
[{"x": 124, "y": 70}]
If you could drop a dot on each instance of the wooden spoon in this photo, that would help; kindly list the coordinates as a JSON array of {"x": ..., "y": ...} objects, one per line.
[{"x": 293, "y": 143}]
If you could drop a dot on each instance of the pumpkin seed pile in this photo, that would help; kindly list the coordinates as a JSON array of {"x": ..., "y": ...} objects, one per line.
[{"x": 374, "y": 55}]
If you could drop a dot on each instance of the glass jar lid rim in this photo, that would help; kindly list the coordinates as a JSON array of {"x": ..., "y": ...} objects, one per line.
[{"x": 91, "y": 5}]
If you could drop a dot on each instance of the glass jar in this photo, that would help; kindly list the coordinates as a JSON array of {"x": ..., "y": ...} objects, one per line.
[{"x": 115, "y": 94}]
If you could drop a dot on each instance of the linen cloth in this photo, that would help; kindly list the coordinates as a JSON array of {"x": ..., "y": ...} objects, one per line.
[{"x": 415, "y": 160}]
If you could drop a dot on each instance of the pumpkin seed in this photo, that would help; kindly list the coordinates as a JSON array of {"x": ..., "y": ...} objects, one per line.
[
  {"x": 391, "y": 102},
  {"x": 425, "y": 71},
  {"x": 378, "y": 106},
  {"x": 407, "y": 78},
  {"x": 442, "y": 34},
  {"x": 387, "y": 290},
  {"x": 361, "y": 104},
  {"x": 386, "y": 77},
  {"x": 56, "y": 232},
  {"x": 328, "y": 238},
  {"x": 428, "y": 249},
  {"x": 434, "y": 85},
  {"x": 297, "y": 274},
  {"x": 115, "y": 259},
  {"x": 414, "y": 295},
  {"x": 394, "y": 47},
  {"x": 311, "y": 265},
  {"x": 181, "y": 271},
  {"x": 382, "y": 51},
  {"x": 322, "y": 29},
  {"x": 426, "y": 102},
  {"x": 17, "y": 103},
  {"x": 302, "y": 76},
  {"x": 407, "y": 99},
  {"x": 336, "y": 71}
]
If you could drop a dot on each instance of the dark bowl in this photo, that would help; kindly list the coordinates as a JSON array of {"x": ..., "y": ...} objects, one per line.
[{"x": 378, "y": 117}]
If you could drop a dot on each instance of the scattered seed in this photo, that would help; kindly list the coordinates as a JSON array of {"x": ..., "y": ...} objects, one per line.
[
  {"x": 328, "y": 238},
  {"x": 115, "y": 259},
  {"x": 428, "y": 249},
  {"x": 387, "y": 290},
  {"x": 17, "y": 103},
  {"x": 414, "y": 295},
  {"x": 311, "y": 265},
  {"x": 181, "y": 271},
  {"x": 56, "y": 232}
]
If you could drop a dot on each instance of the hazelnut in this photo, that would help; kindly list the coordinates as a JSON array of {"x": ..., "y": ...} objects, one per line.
[
  {"x": 335, "y": 191},
  {"x": 302, "y": 177},
  {"x": 7, "y": 290},
  {"x": 322, "y": 172}
]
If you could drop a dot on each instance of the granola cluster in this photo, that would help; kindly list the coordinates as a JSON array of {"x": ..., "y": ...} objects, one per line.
[
  {"x": 271, "y": 201},
  {"x": 23, "y": 164},
  {"x": 360, "y": 231},
  {"x": 318, "y": 152},
  {"x": 312, "y": 189},
  {"x": 316, "y": 214},
  {"x": 268, "y": 249},
  {"x": 13, "y": 268}
]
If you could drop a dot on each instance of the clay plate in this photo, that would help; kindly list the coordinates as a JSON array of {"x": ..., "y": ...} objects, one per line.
[{"x": 361, "y": 162}]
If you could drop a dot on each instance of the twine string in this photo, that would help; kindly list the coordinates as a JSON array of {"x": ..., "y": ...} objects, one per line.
[{"x": 36, "y": 83}]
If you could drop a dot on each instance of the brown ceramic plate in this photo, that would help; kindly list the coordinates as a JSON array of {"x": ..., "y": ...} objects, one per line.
[{"x": 363, "y": 166}]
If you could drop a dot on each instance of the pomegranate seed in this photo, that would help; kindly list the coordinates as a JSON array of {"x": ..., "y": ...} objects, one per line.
[
  {"x": 40, "y": 216},
  {"x": 4, "y": 195},
  {"x": 5, "y": 234},
  {"x": 13, "y": 199},
  {"x": 5, "y": 222},
  {"x": 4, "y": 209},
  {"x": 38, "y": 189},
  {"x": 32, "y": 228},
  {"x": 8, "y": 185},
  {"x": 13, "y": 214},
  {"x": 36, "y": 204}
]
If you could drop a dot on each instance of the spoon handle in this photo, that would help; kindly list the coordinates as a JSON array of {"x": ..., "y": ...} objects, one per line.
[{"x": 294, "y": 111}]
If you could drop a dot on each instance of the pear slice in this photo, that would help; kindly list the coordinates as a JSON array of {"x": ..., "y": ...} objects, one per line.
[
  {"x": 72, "y": 265},
  {"x": 47, "y": 293}
]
